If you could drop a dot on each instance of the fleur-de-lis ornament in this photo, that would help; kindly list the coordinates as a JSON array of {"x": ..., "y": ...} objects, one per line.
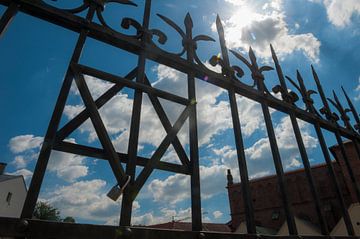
[
  {"x": 325, "y": 110},
  {"x": 188, "y": 42},
  {"x": 343, "y": 112},
  {"x": 305, "y": 93},
  {"x": 256, "y": 71},
  {"x": 226, "y": 69}
]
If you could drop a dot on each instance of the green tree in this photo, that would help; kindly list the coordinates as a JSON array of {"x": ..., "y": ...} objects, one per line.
[
  {"x": 69, "y": 219},
  {"x": 45, "y": 211}
]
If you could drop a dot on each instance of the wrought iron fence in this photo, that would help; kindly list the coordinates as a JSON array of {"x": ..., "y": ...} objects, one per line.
[{"x": 147, "y": 45}]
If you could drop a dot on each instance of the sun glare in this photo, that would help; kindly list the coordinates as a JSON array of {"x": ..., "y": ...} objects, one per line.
[{"x": 244, "y": 16}]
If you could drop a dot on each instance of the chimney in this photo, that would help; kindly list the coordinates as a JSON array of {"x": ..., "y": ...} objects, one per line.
[
  {"x": 229, "y": 177},
  {"x": 2, "y": 168}
]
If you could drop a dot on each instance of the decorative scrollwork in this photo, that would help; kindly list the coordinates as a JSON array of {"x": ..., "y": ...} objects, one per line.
[
  {"x": 256, "y": 72},
  {"x": 306, "y": 94},
  {"x": 325, "y": 110},
  {"x": 343, "y": 112},
  {"x": 232, "y": 72},
  {"x": 229, "y": 71},
  {"x": 289, "y": 97},
  {"x": 353, "y": 110},
  {"x": 189, "y": 44},
  {"x": 126, "y": 23}
]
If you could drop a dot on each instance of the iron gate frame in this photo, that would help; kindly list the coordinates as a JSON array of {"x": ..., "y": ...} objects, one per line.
[{"x": 142, "y": 44}]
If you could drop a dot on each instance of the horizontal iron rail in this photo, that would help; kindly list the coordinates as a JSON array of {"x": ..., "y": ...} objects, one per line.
[
  {"x": 100, "y": 154},
  {"x": 128, "y": 43},
  {"x": 131, "y": 84},
  {"x": 11, "y": 227}
]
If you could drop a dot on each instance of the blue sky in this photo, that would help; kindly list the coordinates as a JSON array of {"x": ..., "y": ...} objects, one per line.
[{"x": 34, "y": 57}]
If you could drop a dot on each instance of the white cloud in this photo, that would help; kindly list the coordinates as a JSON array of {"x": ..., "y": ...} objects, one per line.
[
  {"x": 236, "y": 2},
  {"x": 27, "y": 174},
  {"x": 68, "y": 167},
  {"x": 213, "y": 117},
  {"x": 19, "y": 162},
  {"x": 258, "y": 28},
  {"x": 172, "y": 190},
  {"x": 250, "y": 113},
  {"x": 217, "y": 214},
  {"x": 294, "y": 163},
  {"x": 23, "y": 143},
  {"x": 176, "y": 188},
  {"x": 259, "y": 157},
  {"x": 86, "y": 200},
  {"x": 340, "y": 12},
  {"x": 164, "y": 215},
  {"x": 286, "y": 142}
]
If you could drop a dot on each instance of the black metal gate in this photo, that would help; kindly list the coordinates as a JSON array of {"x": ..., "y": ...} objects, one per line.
[{"x": 187, "y": 61}]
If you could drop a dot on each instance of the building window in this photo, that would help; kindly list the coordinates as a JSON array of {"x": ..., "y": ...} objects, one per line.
[
  {"x": 275, "y": 215},
  {"x": 8, "y": 197}
]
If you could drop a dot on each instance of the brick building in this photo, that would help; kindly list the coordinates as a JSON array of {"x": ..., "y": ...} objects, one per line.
[{"x": 267, "y": 202}]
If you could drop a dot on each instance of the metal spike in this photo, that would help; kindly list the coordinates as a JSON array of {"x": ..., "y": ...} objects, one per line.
[
  {"x": 278, "y": 69},
  {"x": 352, "y": 108},
  {"x": 337, "y": 100},
  {"x": 224, "y": 50},
  {"x": 219, "y": 25},
  {"x": 252, "y": 58},
  {"x": 319, "y": 87},
  {"x": 301, "y": 82},
  {"x": 188, "y": 21}
]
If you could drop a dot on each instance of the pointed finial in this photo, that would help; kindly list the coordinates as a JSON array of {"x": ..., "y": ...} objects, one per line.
[
  {"x": 278, "y": 69},
  {"x": 188, "y": 21},
  {"x": 218, "y": 21},
  {"x": 353, "y": 110},
  {"x": 273, "y": 54},
  {"x": 252, "y": 57},
  {"x": 320, "y": 89}
]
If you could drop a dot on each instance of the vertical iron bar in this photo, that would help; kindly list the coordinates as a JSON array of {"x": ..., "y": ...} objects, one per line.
[
  {"x": 302, "y": 150},
  {"x": 348, "y": 165},
  {"x": 128, "y": 199},
  {"x": 245, "y": 185},
  {"x": 279, "y": 169},
  {"x": 335, "y": 182},
  {"x": 7, "y": 17},
  {"x": 307, "y": 166},
  {"x": 50, "y": 136},
  {"x": 193, "y": 134},
  {"x": 325, "y": 151},
  {"x": 259, "y": 80}
]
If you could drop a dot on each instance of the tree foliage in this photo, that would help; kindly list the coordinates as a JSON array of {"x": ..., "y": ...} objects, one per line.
[
  {"x": 69, "y": 219},
  {"x": 45, "y": 211}
]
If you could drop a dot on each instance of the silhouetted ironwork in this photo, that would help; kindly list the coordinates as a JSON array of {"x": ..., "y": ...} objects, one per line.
[{"x": 143, "y": 44}]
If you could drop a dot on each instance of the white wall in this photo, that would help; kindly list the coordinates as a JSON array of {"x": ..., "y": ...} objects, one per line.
[
  {"x": 17, "y": 187},
  {"x": 354, "y": 213}
]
